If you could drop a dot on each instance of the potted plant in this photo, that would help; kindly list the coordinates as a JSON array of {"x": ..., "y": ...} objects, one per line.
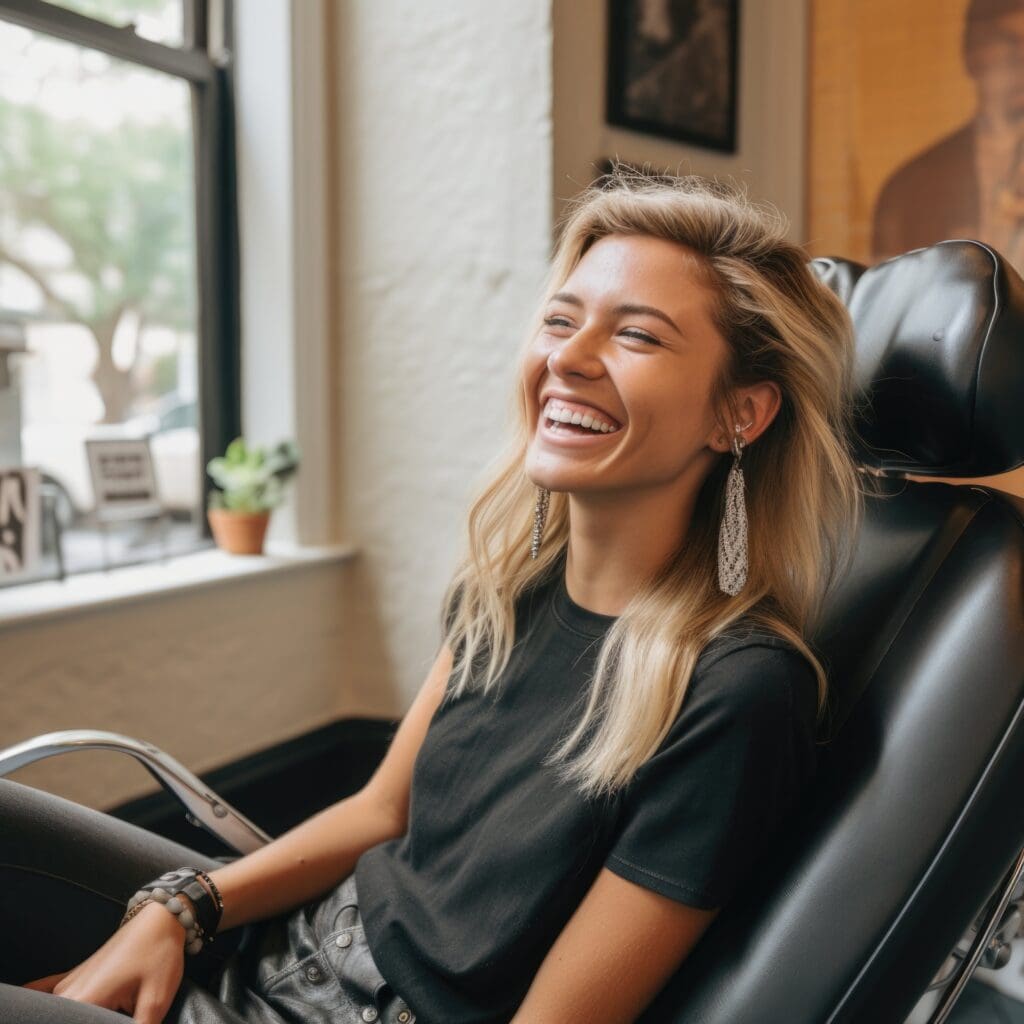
[{"x": 251, "y": 482}]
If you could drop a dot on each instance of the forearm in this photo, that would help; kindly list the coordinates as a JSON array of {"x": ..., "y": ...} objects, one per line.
[{"x": 303, "y": 863}]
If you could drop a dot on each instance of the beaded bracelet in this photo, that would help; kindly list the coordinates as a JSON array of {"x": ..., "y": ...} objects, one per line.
[{"x": 207, "y": 904}]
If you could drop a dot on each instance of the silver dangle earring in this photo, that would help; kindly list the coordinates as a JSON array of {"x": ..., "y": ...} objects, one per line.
[
  {"x": 540, "y": 517},
  {"x": 732, "y": 534}
]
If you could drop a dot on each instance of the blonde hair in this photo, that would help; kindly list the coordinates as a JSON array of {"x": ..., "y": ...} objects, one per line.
[{"x": 804, "y": 501}]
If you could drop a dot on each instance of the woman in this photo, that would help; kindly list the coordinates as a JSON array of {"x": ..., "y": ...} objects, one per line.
[{"x": 622, "y": 712}]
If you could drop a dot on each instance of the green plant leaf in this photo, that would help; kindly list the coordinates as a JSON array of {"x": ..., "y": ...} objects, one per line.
[{"x": 251, "y": 478}]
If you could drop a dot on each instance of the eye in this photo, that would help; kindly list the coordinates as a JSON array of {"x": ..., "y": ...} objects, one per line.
[
  {"x": 557, "y": 321},
  {"x": 640, "y": 336}
]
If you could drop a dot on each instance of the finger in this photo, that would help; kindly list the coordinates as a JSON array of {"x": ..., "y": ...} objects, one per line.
[{"x": 46, "y": 984}]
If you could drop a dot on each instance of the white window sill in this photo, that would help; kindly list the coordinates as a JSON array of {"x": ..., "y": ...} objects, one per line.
[{"x": 53, "y": 599}]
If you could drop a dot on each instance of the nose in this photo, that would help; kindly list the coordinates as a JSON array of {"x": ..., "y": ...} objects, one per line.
[{"x": 578, "y": 355}]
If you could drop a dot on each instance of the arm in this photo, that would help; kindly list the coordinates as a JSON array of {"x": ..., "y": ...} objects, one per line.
[
  {"x": 702, "y": 810},
  {"x": 318, "y": 854},
  {"x": 614, "y": 955},
  {"x": 140, "y": 967}
]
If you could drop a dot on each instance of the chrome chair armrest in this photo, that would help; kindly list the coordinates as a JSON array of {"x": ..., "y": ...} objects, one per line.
[{"x": 202, "y": 806}]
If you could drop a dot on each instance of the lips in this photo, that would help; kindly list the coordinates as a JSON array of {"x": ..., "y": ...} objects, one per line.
[{"x": 575, "y": 410}]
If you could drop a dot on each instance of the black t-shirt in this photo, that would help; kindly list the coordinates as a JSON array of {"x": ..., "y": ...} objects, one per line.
[{"x": 461, "y": 910}]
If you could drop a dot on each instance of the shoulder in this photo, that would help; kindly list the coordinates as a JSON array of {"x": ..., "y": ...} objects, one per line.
[
  {"x": 939, "y": 172},
  {"x": 952, "y": 152},
  {"x": 755, "y": 670},
  {"x": 745, "y": 642}
]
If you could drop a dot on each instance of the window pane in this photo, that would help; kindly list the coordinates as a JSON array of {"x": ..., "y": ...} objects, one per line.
[
  {"x": 97, "y": 260},
  {"x": 158, "y": 20}
]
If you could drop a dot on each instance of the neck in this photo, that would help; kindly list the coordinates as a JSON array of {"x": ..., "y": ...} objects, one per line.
[{"x": 616, "y": 542}]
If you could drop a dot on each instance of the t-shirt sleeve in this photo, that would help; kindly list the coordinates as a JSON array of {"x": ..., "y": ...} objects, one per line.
[{"x": 705, "y": 807}]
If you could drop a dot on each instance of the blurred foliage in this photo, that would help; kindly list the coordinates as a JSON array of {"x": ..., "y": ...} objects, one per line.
[
  {"x": 164, "y": 374},
  {"x": 120, "y": 200}
]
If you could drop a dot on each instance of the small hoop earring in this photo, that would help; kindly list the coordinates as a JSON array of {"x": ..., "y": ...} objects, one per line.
[
  {"x": 732, "y": 534},
  {"x": 540, "y": 518}
]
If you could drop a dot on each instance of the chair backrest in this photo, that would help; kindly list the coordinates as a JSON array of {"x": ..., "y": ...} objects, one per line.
[{"x": 914, "y": 816}]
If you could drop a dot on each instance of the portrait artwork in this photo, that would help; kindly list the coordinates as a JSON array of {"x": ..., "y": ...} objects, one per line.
[
  {"x": 672, "y": 69},
  {"x": 917, "y": 126},
  {"x": 917, "y": 131}
]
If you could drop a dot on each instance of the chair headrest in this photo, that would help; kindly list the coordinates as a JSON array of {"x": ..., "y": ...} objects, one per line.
[
  {"x": 940, "y": 359},
  {"x": 839, "y": 274}
]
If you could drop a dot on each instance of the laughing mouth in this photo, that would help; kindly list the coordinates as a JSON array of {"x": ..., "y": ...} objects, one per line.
[{"x": 577, "y": 419}]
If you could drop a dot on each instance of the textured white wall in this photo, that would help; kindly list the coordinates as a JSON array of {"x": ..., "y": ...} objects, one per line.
[{"x": 443, "y": 176}]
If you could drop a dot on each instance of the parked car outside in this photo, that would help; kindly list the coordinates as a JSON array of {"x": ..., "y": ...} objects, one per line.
[{"x": 58, "y": 449}]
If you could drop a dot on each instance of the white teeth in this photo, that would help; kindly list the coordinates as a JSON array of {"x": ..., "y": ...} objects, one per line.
[{"x": 586, "y": 420}]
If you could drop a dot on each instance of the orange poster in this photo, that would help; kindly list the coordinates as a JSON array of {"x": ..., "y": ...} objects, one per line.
[
  {"x": 917, "y": 126},
  {"x": 916, "y": 116}
]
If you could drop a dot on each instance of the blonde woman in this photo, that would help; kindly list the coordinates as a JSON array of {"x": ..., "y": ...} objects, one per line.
[{"x": 622, "y": 714}]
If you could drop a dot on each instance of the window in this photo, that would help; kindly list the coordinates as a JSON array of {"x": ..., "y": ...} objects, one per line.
[{"x": 118, "y": 267}]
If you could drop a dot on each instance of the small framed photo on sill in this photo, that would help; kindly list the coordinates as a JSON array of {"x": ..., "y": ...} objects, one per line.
[
  {"x": 20, "y": 522},
  {"x": 673, "y": 71}
]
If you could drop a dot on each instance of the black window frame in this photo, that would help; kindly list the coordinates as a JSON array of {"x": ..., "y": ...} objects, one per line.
[{"x": 212, "y": 88}]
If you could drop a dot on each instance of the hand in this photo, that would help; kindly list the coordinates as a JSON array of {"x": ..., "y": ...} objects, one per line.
[{"x": 137, "y": 970}]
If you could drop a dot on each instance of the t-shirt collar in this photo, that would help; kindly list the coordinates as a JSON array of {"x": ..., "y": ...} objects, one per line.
[{"x": 575, "y": 616}]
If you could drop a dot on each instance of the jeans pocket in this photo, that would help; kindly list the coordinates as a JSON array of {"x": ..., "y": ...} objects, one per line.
[
  {"x": 309, "y": 993},
  {"x": 370, "y": 995},
  {"x": 316, "y": 967}
]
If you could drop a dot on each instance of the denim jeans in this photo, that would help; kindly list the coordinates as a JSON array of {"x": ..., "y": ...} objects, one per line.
[{"x": 67, "y": 871}]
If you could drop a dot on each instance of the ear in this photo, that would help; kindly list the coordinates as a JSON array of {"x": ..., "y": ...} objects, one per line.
[{"x": 753, "y": 408}]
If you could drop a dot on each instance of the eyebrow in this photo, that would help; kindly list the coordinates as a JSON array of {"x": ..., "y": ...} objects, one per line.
[{"x": 623, "y": 309}]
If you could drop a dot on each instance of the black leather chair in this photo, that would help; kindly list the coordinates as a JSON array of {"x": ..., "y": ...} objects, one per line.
[{"x": 913, "y": 823}]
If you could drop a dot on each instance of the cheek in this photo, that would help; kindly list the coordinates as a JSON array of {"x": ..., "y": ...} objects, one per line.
[
  {"x": 531, "y": 367},
  {"x": 679, "y": 414},
  {"x": 532, "y": 373},
  {"x": 535, "y": 357}
]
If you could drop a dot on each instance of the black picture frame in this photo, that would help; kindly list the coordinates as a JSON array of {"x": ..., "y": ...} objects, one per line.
[{"x": 676, "y": 80}]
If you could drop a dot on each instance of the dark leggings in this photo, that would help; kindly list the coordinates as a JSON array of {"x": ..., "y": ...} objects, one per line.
[{"x": 66, "y": 872}]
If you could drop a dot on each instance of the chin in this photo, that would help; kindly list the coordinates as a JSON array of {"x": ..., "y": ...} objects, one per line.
[{"x": 549, "y": 481}]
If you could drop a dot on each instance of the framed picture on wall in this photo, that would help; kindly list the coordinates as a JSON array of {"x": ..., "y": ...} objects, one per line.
[{"x": 673, "y": 71}]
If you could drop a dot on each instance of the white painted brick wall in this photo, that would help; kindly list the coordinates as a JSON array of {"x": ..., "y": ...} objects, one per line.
[{"x": 444, "y": 150}]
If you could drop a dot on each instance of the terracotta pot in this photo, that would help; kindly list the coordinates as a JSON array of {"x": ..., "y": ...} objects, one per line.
[{"x": 240, "y": 533}]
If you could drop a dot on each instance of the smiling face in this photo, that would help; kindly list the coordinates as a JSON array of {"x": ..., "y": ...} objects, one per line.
[{"x": 628, "y": 353}]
